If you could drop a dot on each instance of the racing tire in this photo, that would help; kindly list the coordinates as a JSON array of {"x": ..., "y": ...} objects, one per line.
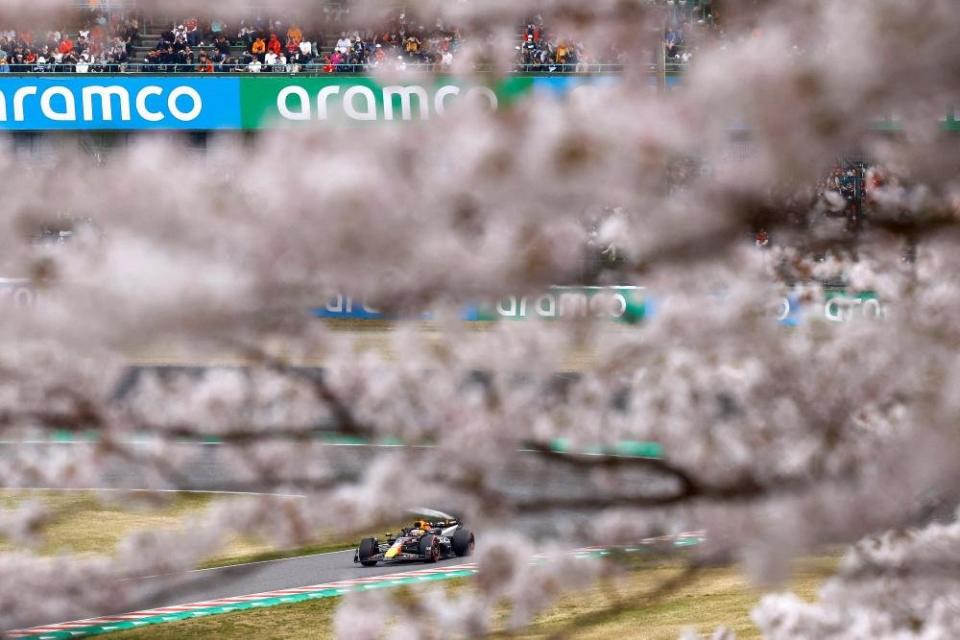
[
  {"x": 368, "y": 548},
  {"x": 430, "y": 548},
  {"x": 462, "y": 542}
]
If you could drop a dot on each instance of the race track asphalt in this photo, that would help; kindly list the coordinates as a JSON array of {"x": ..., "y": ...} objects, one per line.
[{"x": 239, "y": 580}]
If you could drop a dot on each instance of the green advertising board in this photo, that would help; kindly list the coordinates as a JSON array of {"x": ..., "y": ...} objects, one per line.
[
  {"x": 285, "y": 101},
  {"x": 623, "y": 303}
]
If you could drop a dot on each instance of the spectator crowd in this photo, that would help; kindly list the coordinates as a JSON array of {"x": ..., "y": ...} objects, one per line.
[
  {"x": 261, "y": 43},
  {"x": 274, "y": 45},
  {"x": 101, "y": 42}
]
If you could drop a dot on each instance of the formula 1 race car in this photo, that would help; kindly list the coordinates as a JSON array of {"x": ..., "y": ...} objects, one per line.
[{"x": 428, "y": 540}]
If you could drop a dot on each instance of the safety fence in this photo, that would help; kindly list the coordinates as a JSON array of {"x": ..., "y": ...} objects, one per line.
[{"x": 318, "y": 68}]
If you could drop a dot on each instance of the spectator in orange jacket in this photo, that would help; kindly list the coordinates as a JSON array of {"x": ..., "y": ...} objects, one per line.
[
  {"x": 66, "y": 45},
  {"x": 258, "y": 48},
  {"x": 294, "y": 34}
]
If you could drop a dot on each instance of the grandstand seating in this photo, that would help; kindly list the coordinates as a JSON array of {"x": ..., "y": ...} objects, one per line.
[{"x": 549, "y": 53}]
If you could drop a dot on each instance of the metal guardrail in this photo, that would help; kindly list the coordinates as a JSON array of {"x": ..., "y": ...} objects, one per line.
[{"x": 310, "y": 69}]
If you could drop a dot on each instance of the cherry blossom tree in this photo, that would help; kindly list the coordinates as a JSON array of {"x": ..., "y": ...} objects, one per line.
[{"x": 777, "y": 441}]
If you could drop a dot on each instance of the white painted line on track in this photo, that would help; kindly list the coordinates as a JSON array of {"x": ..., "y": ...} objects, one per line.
[
  {"x": 376, "y": 445},
  {"x": 213, "y": 492}
]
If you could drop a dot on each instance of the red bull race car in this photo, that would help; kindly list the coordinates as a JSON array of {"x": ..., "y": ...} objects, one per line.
[{"x": 436, "y": 537}]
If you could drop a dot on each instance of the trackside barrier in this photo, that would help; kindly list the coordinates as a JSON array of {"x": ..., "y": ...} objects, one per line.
[
  {"x": 318, "y": 68},
  {"x": 626, "y": 304}
]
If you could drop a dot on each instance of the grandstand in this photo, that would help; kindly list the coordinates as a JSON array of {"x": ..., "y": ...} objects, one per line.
[{"x": 119, "y": 37}]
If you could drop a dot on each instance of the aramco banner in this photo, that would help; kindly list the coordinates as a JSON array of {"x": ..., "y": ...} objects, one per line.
[
  {"x": 42, "y": 103},
  {"x": 104, "y": 102},
  {"x": 132, "y": 102},
  {"x": 628, "y": 304}
]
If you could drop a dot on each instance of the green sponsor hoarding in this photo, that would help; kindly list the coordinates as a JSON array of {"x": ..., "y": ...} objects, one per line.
[
  {"x": 624, "y": 303},
  {"x": 286, "y": 101},
  {"x": 949, "y": 122}
]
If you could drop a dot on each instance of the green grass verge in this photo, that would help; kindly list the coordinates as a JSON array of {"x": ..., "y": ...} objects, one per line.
[
  {"x": 612, "y": 609},
  {"x": 711, "y": 598},
  {"x": 91, "y": 522},
  {"x": 81, "y": 522}
]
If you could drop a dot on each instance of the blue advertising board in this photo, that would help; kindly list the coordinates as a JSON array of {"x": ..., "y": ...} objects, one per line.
[{"x": 37, "y": 103}]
